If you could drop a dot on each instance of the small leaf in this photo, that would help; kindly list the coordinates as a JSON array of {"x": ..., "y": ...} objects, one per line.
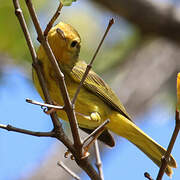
[
  {"x": 67, "y": 2},
  {"x": 178, "y": 92}
]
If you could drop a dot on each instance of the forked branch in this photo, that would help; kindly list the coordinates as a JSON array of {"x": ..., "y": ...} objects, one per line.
[{"x": 57, "y": 132}]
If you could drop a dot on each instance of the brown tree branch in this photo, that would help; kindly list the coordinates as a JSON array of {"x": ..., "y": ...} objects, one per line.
[
  {"x": 165, "y": 159},
  {"x": 89, "y": 66},
  {"x": 151, "y": 17},
  {"x": 53, "y": 19},
  {"x": 24, "y": 131}
]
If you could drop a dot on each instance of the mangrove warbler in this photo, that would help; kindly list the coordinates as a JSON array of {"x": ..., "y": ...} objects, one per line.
[{"x": 96, "y": 101}]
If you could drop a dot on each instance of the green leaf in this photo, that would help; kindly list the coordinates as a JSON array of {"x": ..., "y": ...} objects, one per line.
[{"x": 67, "y": 2}]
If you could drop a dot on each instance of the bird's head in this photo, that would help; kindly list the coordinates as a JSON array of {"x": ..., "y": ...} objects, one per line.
[{"x": 64, "y": 41}]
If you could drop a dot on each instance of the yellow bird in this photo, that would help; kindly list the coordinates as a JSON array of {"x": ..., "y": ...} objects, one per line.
[{"x": 96, "y": 101}]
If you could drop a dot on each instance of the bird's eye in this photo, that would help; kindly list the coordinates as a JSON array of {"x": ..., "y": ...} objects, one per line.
[{"x": 73, "y": 43}]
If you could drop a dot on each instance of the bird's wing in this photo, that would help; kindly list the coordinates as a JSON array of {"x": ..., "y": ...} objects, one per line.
[{"x": 96, "y": 85}]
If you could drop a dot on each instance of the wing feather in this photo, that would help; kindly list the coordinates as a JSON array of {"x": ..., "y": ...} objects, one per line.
[{"x": 96, "y": 85}]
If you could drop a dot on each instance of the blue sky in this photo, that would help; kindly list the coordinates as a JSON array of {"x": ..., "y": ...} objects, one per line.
[{"x": 21, "y": 153}]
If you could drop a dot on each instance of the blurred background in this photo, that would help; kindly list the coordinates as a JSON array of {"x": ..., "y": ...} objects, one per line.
[{"x": 139, "y": 59}]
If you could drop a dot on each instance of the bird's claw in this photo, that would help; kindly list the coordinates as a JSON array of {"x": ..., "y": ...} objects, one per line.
[{"x": 95, "y": 116}]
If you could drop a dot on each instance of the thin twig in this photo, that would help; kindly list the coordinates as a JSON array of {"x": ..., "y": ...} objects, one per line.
[
  {"x": 53, "y": 19},
  {"x": 89, "y": 66},
  {"x": 61, "y": 81},
  {"x": 44, "y": 104},
  {"x": 63, "y": 166},
  {"x": 24, "y": 131},
  {"x": 148, "y": 176},
  {"x": 98, "y": 130},
  {"x": 98, "y": 159},
  {"x": 165, "y": 159}
]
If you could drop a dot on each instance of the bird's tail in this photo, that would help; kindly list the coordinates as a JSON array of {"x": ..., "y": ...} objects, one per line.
[{"x": 127, "y": 129}]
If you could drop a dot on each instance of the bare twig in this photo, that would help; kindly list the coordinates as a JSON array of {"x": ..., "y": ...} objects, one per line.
[
  {"x": 89, "y": 66},
  {"x": 63, "y": 166},
  {"x": 24, "y": 131},
  {"x": 44, "y": 104},
  {"x": 97, "y": 131},
  {"x": 53, "y": 19},
  {"x": 98, "y": 159},
  {"x": 165, "y": 159},
  {"x": 61, "y": 81}
]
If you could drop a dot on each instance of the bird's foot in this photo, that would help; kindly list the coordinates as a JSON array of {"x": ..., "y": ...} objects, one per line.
[{"x": 95, "y": 116}]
